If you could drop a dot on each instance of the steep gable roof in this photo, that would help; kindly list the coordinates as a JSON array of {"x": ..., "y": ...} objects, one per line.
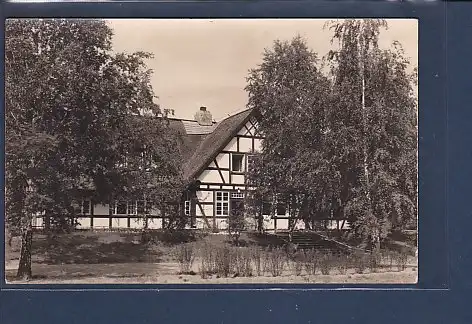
[{"x": 213, "y": 143}]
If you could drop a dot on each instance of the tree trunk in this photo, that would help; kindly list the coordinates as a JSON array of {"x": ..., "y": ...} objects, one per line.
[
  {"x": 24, "y": 268},
  {"x": 375, "y": 235},
  {"x": 260, "y": 221}
]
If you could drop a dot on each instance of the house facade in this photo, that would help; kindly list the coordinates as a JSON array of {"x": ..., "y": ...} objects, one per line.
[{"x": 216, "y": 158}]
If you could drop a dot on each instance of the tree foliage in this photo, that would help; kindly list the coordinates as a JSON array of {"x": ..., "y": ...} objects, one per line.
[
  {"x": 373, "y": 117},
  {"x": 290, "y": 94},
  {"x": 340, "y": 146},
  {"x": 69, "y": 105}
]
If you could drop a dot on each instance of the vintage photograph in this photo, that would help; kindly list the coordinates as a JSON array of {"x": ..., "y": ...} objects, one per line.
[{"x": 198, "y": 151}]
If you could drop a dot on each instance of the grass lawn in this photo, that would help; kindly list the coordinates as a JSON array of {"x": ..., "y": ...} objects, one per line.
[{"x": 111, "y": 257}]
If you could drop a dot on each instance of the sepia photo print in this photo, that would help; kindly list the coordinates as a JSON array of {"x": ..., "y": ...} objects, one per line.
[{"x": 172, "y": 151}]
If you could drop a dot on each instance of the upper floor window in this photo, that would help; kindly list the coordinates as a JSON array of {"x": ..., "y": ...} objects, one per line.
[{"x": 237, "y": 162}]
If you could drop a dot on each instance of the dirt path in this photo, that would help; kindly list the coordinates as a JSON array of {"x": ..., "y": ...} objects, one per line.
[{"x": 166, "y": 273}]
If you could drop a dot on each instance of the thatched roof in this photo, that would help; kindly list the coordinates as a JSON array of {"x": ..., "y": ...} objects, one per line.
[
  {"x": 213, "y": 143},
  {"x": 198, "y": 144}
]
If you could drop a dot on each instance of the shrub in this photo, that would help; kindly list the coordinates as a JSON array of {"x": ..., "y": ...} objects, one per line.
[
  {"x": 207, "y": 260},
  {"x": 257, "y": 257},
  {"x": 311, "y": 260},
  {"x": 326, "y": 263},
  {"x": 277, "y": 259},
  {"x": 297, "y": 263},
  {"x": 374, "y": 261},
  {"x": 236, "y": 224},
  {"x": 185, "y": 255},
  {"x": 360, "y": 260},
  {"x": 266, "y": 261},
  {"x": 342, "y": 262},
  {"x": 224, "y": 261},
  {"x": 401, "y": 260},
  {"x": 243, "y": 262}
]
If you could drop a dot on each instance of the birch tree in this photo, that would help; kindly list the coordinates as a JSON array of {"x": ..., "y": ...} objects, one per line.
[{"x": 374, "y": 120}]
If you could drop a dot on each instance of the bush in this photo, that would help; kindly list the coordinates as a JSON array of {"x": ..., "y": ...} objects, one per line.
[
  {"x": 311, "y": 261},
  {"x": 374, "y": 261},
  {"x": 297, "y": 263},
  {"x": 243, "y": 262},
  {"x": 257, "y": 256},
  {"x": 277, "y": 258},
  {"x": 224, "y": 261},
  {"x": 185, "y": 255},
  {"x": 360, "y": 261},
  {"x": 326, "y": 263},
  {"x": 342, "y": 262},
  {"x": 401, "y": 260},
  {"x": 207, "y": 260}
]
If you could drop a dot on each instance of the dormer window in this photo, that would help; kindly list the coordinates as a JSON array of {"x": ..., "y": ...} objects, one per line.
[{"x": 237, "y": 162}]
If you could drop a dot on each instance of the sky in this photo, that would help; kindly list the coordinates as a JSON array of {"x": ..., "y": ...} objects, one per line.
[{"x": 201, "y": 62}]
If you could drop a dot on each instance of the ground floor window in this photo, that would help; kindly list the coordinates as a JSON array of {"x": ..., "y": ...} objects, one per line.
[
  {"x": 237, "y": 195},
  {"x": 187, "y": 207},
  {"x": 222, "y": 203},
  {"x": 128, "y": 207},
  {"x": 281, "y": 209},
  {"x": 83, "y": 207},
  {"x": 141, "y": 207}
]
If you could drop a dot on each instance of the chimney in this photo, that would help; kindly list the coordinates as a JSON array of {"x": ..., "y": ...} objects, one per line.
[{"x": 204, "y": 117}]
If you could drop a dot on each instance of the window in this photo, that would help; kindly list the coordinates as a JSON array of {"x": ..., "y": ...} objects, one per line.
[
  {"x": 131, "y": 207},
  {"x": 281, "y": 209},
  {"x": 141, "y": 207},
  {"x": 237, "y": 195},
  {"x": 82, "y": 207},
  {"x": 85, "y": 207},
  {"x": 237, "y": 162},
  {"x": 187, "y": 207},
  {"x": 266, "y": 208},
  {"x": 222, "y": 203},
  {"x": 121, "y": 208}
]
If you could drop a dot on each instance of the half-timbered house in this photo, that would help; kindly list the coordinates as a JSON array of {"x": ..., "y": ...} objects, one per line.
[{"x": 216, "y": 156}]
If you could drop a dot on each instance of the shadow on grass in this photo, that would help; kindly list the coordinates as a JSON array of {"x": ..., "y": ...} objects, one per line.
[{"x": 88, "y": 249}]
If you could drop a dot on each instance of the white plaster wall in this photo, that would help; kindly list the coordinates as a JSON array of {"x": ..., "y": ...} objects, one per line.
[
  {"x": 155, "y": 223},
  {"x": 136, "y": 223},
  {"x": 119, "y": 223},
  {"x": 237, "y": 178},
  {"x": 205, "y": 196},
  {"x": 232, "y": 145},
  {"x": 245, "y": 144},
  {"x": 223, "y": 160},
  {"x": 282, "y": 224},
  {"x": 221, "y": 224},
  {"x": 208, "y": 209},
  {"x": 257, "y": 145},
  {"x": 212, "y": 176},
  {"x": 84, "y": 222},
  {"x": 100, "y": 222},
  {"x": 268, "y": 223}
]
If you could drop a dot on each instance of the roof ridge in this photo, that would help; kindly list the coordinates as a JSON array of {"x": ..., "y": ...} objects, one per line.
[{"x": 242, "y": 111}]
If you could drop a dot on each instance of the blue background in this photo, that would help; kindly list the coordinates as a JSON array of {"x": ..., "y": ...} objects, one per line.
[{"x": 445, "y": 160}]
